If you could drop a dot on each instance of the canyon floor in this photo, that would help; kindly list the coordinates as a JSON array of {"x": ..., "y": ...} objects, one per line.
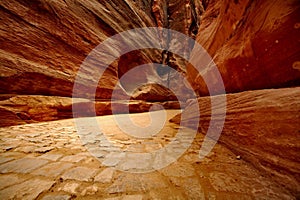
[{"x": 48, "y": 161}]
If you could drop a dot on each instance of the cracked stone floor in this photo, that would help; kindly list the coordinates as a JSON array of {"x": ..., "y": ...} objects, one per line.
[{"x": 49, "y": 161}]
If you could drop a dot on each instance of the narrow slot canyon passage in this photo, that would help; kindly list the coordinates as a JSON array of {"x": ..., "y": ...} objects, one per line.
[{"x": 149, "y": 99}]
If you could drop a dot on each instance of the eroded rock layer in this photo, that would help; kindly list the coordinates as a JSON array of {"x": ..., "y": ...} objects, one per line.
[{"x": 22, "y": 109}]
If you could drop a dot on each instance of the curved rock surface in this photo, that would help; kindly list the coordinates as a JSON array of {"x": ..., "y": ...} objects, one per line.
[
  {"x": 261, "y": 126},
  {"x": 43, "y": 43},
  {"x": 255, "y": 44}
]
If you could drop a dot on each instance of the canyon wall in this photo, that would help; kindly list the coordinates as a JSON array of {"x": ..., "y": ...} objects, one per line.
[
  {"x": 255, "y": 45},
  {"x": 43, "y": 44},
  {"x": 261, "y": 126}
]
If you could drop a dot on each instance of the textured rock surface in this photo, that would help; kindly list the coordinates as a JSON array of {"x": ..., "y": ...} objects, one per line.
[
  {"x": 262, "y": 127},
  {"x": 43, "y": 43},
  {"x": 255, "y": 44},
  {"x": 22, "y": 109},
  {"x": 153, "y": 91}
]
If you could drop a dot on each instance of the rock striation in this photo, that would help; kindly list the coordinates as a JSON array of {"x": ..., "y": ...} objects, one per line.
[
  {"x": 43, "y": 43},
  {"x": 261, "y": 126},
  {"x": 22, "y": 109},
  {"x": 254, "y": 44}
]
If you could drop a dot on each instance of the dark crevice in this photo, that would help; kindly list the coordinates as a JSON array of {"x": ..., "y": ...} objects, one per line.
[
  {"x": 205, "y": 4},
  {"x": 192, "y": 32}
]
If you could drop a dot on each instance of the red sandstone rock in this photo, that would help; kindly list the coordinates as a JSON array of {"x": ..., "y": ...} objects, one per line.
[
  {"x": 254, "y": 44},
  {"x": 262, "y": 127},
  {"x": 43, "y": 43}
]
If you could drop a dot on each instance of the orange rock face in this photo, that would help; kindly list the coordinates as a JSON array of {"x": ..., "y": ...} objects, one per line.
[
  {"x": 254, "y": 44},
  {"x": 22, "y": 109},
  {"x": 261, "y": 126},
  {"x": 43, "y": 43}
]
